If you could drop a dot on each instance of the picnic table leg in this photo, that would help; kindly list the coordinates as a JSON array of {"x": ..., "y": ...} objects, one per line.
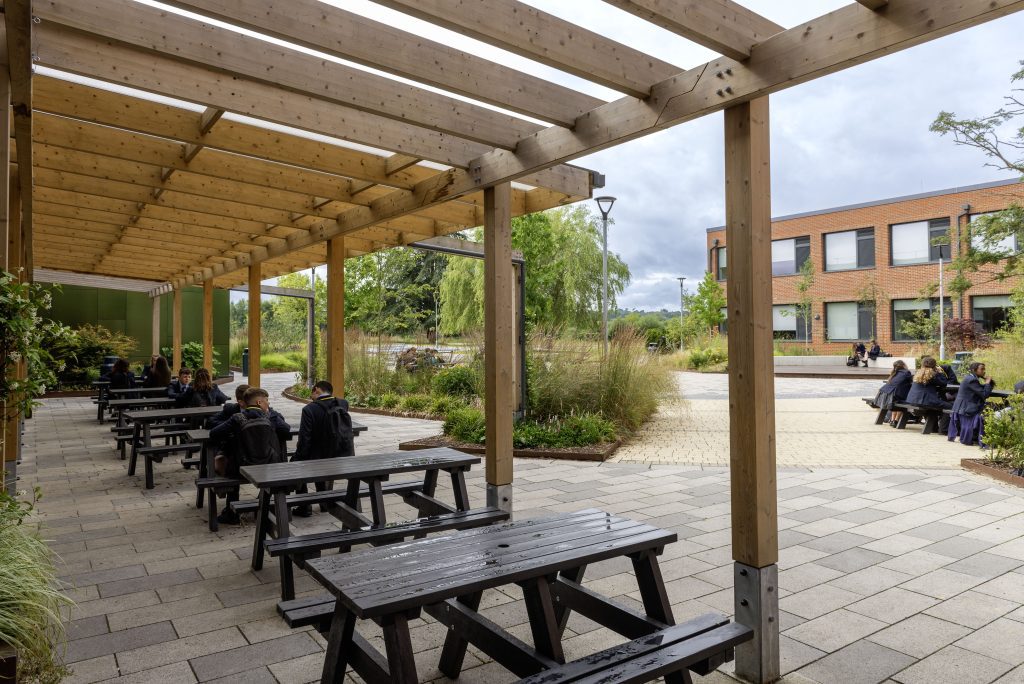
[
  {"x": 281, "y": 518},
  {"x": 211, "y": 510},
  {"x": 203, "y": 471},
  {"x": 135, "y": 448},
  {"x": 655, "y": 599},
  {"x": 377, "y": 502},
  {"x": 561, "y": 612},
  {"x": 543, "y": 624},
  {"x": 262, "y": 525},
  {"x": 339, "y": 645},
  {"x": 430, "y": 482},
  {"x": 459, "y": 488},
  {"x": 454, "y": 651},
  {"x": 401, "y": 664}
]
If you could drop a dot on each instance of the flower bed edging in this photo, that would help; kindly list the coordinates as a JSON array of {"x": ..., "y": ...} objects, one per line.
[
  {"x": 983, "y": 467},
  {"x": 596, "y": 452}
]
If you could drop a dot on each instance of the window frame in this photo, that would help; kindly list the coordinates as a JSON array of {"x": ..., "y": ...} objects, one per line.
[
  {"x": 799, "y": 323},
  {"x": 861, "y": 308},
  {"x": 894, "y": 328},
  {"x": 981, "y": 322},
  {"x": 933, "y": 226},
  {"x": 860, "y": 234},
  {"x": 721, "y": 273},
  {"x": 799, "y": 242}
]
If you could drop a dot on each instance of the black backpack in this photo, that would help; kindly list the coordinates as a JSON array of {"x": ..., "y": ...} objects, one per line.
[
  {"x": 258, "y": 443},
  {"x": 339, "y": 440}
]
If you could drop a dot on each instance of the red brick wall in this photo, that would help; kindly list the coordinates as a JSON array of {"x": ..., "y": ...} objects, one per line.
[{"x": 894, "y": 282}]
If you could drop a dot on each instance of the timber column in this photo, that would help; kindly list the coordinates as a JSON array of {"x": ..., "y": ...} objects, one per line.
[
  {"x": 254, "y": 324},
  {"x": 155, "y": 346},
  {"x": 208, "y": 327},
  {"x": 176, "y": 331},
  {"x": 755, "y": 543},
  {"x": 499, "y": 343},
  {"x": 336, "y": 315}
]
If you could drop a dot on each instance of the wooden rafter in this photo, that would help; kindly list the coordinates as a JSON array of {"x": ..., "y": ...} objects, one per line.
[
  {"x": 519, "y": 28},
  {"x": 874, "y": 4},
  {"x": 333, "y": 30},
  {"x": 724, "y": 26}
]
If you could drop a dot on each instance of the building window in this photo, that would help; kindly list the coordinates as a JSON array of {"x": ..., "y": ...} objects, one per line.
[
  {"x": 723, "y": 327},
  {"x": 850, "y": 249},
  {"x": 849, "y": 321},
  {"x": 904, "y": 310},
  {"x": 1008, "y": 245},
  {"x": 720, "y": 262},
  {"x": 787, "y": 325},
  {"x": 789, "y": 255},
  {"x": 990, "y": 311},
  {"x": 912, "y": 243}
]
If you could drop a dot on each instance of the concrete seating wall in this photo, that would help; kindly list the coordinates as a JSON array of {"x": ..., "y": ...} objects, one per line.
[{"x": 797, "y": 361}]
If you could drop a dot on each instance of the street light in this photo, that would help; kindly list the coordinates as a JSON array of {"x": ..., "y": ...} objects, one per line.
[
  {"x": 604, "y": 205},
  {"x": 682, "y": 306}
]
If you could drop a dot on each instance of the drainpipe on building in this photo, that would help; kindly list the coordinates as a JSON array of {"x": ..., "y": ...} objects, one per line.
[
  {"x": 966, "y": 209},
  {"x": 714, "y": 245}
]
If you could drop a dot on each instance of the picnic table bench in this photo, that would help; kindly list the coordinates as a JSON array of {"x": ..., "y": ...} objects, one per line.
[
  {"x": 143, "y": 433},
  {"x": 547, "y": 557},
  {"x": 277, "y": 480}
]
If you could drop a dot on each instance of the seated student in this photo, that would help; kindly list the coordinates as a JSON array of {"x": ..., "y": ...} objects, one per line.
[
  {"x": 253, "y": 436},
  {"x": 157, "y": 375},
  {"x": 875, "y": 351},
  {"x": 951, "y": 379},
  {"x": 928, "y": 389},
  {"x": 966, "y": 419},
  {"x": 147, "y": 370},
  {"x": 895, "y": 390},
  {"x": 202, "y": 392},
  {"x": 230, "y": 409},
  {"x": 120, "y": 377},
  {"x": 325, "y": 431},
  {"x": 177, "y": 388}
]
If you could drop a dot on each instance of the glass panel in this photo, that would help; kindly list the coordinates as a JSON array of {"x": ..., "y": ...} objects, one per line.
[
  {"x": 938, "y": 229},
  {"x": 723, "y": 327},
  {"x": 910, "y": 243},
  {"x": 866, "y": 248},
  {"x": 721, "y": 263},
  {"x": 1008, "y": 245},
  {"x": 909, "y": 304},
  {"x": 802, "y": 332},
  {"x": 841, "y": 318},
  {"x": 988, "y": 301},
  {"x": 801, "y": 251},
  {"x": 784, "y": 318},
  {"x": 783, "y": 257},
  {"x": 866, "y": 321},
  {"x": 841, "y": 251}
]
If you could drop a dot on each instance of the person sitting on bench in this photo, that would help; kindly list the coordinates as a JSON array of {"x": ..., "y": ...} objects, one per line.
[
  {"x": 966, "y": 419},
  {"x": 202, "y": 392},
  {"x": 158, "y": 374},
  {"x": 856, "y": 355},
  {"x": 253, "y": 436},
  {"x": 929, "y": 388},
  {"x": 895, "y": 390},
  {"x": 875, "y": 351},
  {"x": 120, "y": 377},
  {"x": 177, "y": 388},
  {"x": 325, "y": 431},
  {"x": 229, "y": 409}
]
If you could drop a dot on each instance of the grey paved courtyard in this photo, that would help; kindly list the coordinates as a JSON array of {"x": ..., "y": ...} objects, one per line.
[{"x": 886, "y": 574}]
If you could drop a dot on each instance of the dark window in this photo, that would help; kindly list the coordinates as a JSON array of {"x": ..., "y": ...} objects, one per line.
[
  {"x": 866, "y": 321},
  {"x": 720, "y": 262},
  {"x": 789, "y": 255},
  {"x": 849, "y": 249},
  {"x": 849, "y": 321},
  {"x": 802, "y": 249},
  {"x": 788, "y": 324},
  {"x": 912, "y": 243},
  {"x": 938, "y": 230},
  {"x": 906, "y": 310},
  {"x": 991, "y": 311},
  {"x": 866, "y": 248}
]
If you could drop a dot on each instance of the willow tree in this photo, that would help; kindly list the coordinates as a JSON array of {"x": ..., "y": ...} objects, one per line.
[{"x": 563, "y": 252}]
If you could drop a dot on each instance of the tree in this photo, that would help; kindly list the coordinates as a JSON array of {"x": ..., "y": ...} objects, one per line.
[
  {"x": 986, "y": 232},
  {"x": 805, "y": 300},
  {"x": 704, "y": 308},
  {"x": 870, "y": 294},
  {"x": 562, "y": 250}
]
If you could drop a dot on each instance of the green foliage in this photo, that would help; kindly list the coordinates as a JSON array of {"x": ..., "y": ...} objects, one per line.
[
  {"x": 921, "y": 326},
  {"x": 191, "y": 356},
  {"x": 79, "y": 353},
  {"x": 442, "y": 406},
  {"x": 466, "y": 425},
  {"x": 563, "y": 252},
  {"x": 392, "y": 291},
  {"x": 1004, "y": 362},
  {"x": 701, "y": 359},
  {"x": 456, "y": 381},
  {"x": 1004, "y": 432},
  {"x": 571, "y": 431},
  {"x": 415, "y": 403},
  {"x": 30, "y": 599},
  {"x": 389, "y": 400},
  {"x": 24, "y": 339},
  {"x": 704, "y": 309},
  {"x": 654, "y": 327},
  {"x": 284, "y": 362}
]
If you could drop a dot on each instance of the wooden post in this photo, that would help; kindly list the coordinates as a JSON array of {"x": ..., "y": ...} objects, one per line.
[
  {"x": 12, "y": 419},
  {"x": 254, "y": 324},
  {"x": 155, "y": 346},
  {"x": 176, "y": 331},
  {"x": 5, "y": 160},
  {"x": 752, "y": 387},
  {"x": 9, "y": 428},
  {"x": 208, "y": 326},
  {"x": 336, "y": 315},
  {"x": 499, "y": 340}
]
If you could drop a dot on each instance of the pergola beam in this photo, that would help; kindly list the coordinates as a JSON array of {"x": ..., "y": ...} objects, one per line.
[
  {"x": 724, "y": 26},
  {"x": 874, "y": 4},
  {"x": 319, "y": 26}
]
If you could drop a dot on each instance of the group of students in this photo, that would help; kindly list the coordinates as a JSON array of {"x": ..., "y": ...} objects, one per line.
[
  {"x": 860, "y": 354},
  {"x": 249, "y": 432},
  {"x": 928, "y": 387},
  {"x": 156, "y": 374}
]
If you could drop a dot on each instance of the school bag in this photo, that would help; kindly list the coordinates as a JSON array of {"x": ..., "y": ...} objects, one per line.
[
  {"x": 257, "y": 440},
  {"x": 339, "y": 428}
]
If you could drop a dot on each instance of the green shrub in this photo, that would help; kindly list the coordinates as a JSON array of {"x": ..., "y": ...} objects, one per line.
[
  {"x": 79, "y": 353},
  {"x": 442, "y": 406},
  {"x": 1004, "y": 432},
  {"x": 415, "y": 403},
  {"x": 370, "y": 401},
  {"x": 283, "y": 361},
  {"x": 457, "y": 381},
  {"x": 466, "y": 425},
  {"x": 191, "y": 356},
  {"x": 389, "y": 400},
  {"x": 571, "y": 431},
  {"x": 704, "y": 358}
]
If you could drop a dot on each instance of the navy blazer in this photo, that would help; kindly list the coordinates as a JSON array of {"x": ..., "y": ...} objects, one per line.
[
  {"x": 970, "y": 398},
  {"x": 928, "y": 394},
  {"x": 900, "y": 384}
]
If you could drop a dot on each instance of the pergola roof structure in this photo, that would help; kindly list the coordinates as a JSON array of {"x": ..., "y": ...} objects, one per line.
[{"x": 245, "y": 134}]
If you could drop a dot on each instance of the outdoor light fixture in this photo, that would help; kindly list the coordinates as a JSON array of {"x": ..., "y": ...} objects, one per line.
[{"x": 604, "y": 205}]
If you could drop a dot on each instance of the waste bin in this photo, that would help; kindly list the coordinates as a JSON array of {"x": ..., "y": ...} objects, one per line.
[
  {"x": 107, "y": 365},
  {"x": 245, "y": 362}
]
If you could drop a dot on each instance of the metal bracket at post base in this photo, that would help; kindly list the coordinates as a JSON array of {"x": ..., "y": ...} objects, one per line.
[
  {"x": 500, "y": 497},
  {"x": 757, "y": 606}
]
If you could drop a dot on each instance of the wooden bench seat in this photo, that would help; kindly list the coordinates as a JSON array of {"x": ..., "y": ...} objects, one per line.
[
  {"x": 699, "y": 645},
  {"x": 930, "y": 414},
  {"x": 298, "y": 549},
  {"x": 156, "y": 453}
]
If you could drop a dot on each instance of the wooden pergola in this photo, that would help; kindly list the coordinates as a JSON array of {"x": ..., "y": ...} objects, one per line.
[{"x": 221, "y": 158}]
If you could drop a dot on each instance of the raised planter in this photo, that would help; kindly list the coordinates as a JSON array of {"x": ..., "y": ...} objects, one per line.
[
  {"x": 987, "y": 468},
  {"x": 288, "y": 394},
  {"x": 596, "y": 452}
]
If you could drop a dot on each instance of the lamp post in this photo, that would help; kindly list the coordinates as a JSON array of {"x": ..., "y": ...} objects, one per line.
[
  {"x": 682, "y": 307},
  {"x": 942, "y": 312},
  {"x": 604, "y": 205}
]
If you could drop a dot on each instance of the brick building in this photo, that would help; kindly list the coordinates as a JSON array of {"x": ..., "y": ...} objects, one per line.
[{"x": 879, "y": 252}]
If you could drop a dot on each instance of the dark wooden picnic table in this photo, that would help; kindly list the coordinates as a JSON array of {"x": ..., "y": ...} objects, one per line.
[
  {"x": 276, "y": 480},
  {"x": 102, "y": 386},
  {"x": 121, "y": 406},
  {"x": 446, "y": 576},
  {"x": 130, "y": 392},
  {"x": 996, "y": 394},
  {"x": 143, "y": 422}
]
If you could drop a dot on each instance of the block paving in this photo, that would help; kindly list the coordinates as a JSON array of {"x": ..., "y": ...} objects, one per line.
[{"x": 890, "y": 574}]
